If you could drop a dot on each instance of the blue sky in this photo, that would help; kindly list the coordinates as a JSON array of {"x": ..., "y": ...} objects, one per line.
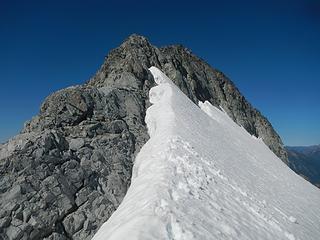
[{"x": 270, "y": 50}]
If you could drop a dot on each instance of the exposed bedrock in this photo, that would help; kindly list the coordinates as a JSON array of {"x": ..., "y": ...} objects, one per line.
[{"x": 70, "y": 167}]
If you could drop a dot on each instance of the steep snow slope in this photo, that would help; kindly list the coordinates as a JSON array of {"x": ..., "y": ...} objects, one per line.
[{"x": 201, "y": 176}]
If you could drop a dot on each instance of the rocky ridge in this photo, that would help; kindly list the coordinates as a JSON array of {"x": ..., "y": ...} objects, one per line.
[{"x": 70, "y": 167}]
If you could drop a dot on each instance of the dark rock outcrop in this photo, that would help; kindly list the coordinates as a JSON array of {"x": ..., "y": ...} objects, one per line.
[{"x": 70, "y": 167}]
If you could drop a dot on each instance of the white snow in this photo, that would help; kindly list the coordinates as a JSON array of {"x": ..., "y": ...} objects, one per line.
[{"x": 201, "y": 176}]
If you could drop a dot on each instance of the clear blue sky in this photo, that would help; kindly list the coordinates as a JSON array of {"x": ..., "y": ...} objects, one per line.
[{"x": 270, "y": 49}]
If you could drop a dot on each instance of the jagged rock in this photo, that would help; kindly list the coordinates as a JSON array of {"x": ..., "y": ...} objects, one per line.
[
  {"x": 14, "y": 233},
  {"x": 76, "y": 143},
  {"x": 4, "y": 222},
  {"x": 56, "y": 236},
  {"x": 74, "y": 222},
  {"x": 70, "y": 168},
  {"x": 198, "y": 80}
]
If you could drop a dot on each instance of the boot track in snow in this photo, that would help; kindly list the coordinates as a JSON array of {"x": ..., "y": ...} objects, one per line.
[{"x": 201, "y": 176}]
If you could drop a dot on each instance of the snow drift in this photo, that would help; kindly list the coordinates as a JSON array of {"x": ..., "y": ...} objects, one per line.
[{"x": 201, "y": 176}]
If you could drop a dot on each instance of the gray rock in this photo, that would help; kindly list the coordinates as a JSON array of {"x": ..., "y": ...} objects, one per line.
[
  {"x": 26, "y": 215},
  {"x": 56, "y": 236},
  {"x": 74, "y": 222},
  {"x": 76, "y": 143},
  {"x": 196, "y": 79},
  {"x": 70, "y": 168},
  {"x": 14, "y": 192},
  {"x": 14, "y": 233},
  {"x": 5, "y": 222}
]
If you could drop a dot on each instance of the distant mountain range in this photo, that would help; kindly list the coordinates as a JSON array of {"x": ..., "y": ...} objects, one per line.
[{"x": 305, "y": 161}]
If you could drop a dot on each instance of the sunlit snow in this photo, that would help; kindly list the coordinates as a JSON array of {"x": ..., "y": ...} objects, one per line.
[{"x": 201, "y": 176}]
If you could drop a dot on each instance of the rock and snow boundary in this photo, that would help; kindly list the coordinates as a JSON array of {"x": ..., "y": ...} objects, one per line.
[{"x": 201, "y": 176}]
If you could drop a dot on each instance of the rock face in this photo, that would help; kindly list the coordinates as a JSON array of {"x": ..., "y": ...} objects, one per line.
[{"x": 70, "y": 167}]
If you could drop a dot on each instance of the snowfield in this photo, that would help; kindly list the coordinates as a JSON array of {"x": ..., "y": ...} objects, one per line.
[{"x": 201, "y": 176}]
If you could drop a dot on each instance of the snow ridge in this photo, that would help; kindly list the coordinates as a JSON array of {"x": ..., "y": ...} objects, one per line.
[{"x": 201, "y": 176}]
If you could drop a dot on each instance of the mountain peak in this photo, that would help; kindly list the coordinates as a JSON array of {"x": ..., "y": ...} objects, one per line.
[
  {"x": 135, "y": 39},
  {"x": 127, "y": 67},
  {"x": 79, "y": 151}
]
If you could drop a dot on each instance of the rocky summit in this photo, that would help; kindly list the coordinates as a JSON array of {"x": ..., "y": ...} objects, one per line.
[{"x": 70, "y": 167}]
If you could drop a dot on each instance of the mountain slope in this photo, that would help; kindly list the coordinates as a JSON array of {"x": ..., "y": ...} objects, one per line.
[
  {"x": 127, "y": 67},
  {"x": 70, "y": 167},
  {"x": 305, "y": 161},
  {"x": 201, "y": 176}
]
